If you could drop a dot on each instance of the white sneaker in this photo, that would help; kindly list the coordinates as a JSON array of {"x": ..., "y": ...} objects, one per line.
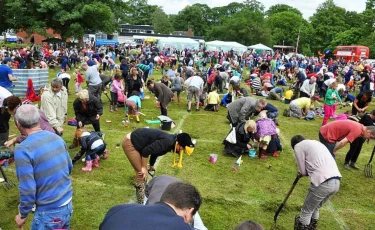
[{"x": 1, "y": 180}]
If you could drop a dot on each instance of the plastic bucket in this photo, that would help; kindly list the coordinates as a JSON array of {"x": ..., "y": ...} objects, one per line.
[
  {"x": 166, "y": 125},
  {"x": 252, "y": 152},
  {"x": 213, "y": 158}
]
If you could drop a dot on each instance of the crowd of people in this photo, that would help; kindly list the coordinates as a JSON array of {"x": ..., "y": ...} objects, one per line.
[{"x": 43, "y": 163}]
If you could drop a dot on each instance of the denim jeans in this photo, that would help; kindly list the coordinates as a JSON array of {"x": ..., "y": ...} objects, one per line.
[
  {"x": 151, "y": 65},
  {"x": 316, "y": 197},
  {"x": 53, "y": 219}
]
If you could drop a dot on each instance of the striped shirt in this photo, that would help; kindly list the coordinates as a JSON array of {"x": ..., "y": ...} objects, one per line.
[
  {"x": 143, "y": 67},
  {"x": 43, "y": 169}
]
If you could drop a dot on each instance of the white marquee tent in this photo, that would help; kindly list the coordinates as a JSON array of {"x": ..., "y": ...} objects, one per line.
[
  {"x": 225, "y": 46},
  {"x": 178, "y": 43},
  {"x": 260, "y": 47}
]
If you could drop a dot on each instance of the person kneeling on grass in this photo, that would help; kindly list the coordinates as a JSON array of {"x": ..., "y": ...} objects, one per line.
[
  {"x": 213, "y": 100},
  {"x": 298, "y": 108},
  {"x": 244, "y": 132},
  {"x": 93, "y": 145},
  {"x": 176, "y": 209},
  {"x": 266, "y": 132},
  {"x": 314, "y": 160},
  {"x": 144, "y": 143}
]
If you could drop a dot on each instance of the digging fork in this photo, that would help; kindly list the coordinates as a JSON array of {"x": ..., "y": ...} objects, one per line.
[{"x": 368, "y": 167}]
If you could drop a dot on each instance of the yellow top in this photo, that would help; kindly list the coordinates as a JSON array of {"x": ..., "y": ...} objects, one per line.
[
  {"x": 303, "y": 102},
  {"x": 213, "y": 98},
  {"x": 289, "y": 94}
]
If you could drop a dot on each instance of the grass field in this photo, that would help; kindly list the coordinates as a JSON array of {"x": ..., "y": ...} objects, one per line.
[{"x": 254, "y": 192}]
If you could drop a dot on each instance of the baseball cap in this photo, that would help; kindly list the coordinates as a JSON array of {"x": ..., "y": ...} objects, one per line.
[{"x": 7, "y": 59}]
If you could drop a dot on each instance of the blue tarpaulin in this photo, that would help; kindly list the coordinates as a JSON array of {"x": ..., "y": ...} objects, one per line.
[{"x": 103, "y": 42}]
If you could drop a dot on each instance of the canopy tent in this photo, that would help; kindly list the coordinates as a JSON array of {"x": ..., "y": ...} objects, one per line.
[
  {"x": 260, "y": 47},
  {"x": 225, "y": 46},
  {"x": 104, "y": 42},
  {"x": 178, "y": 43}
]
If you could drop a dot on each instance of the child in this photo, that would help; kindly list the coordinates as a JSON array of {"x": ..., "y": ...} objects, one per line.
[
  {"x": 330, "y": 101},
  {"x": 288, "y": 96},
  {"x": 116, "y": 88},
  {"x": 78, "y": 79},
  {"x": 93, "y": 145},
  {"x": 227, "y": 99},
  {"x": 165, "y": 80},
  {"x": 255, "y": 85},
  {"x": 202, "y": 97},
  {"x": 265, "y": 130},
  {"x": 133, "y": 105},
  {"x": 213, "y": 100}
]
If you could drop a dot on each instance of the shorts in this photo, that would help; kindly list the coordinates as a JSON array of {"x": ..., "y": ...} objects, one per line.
[{"x": 193, "y": 91}]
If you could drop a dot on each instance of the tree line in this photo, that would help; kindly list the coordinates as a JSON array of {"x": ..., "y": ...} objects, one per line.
[{"x": 247, "y": 23}]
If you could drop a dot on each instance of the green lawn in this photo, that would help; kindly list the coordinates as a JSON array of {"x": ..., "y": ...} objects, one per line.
[{"x": 254, "y": 192}]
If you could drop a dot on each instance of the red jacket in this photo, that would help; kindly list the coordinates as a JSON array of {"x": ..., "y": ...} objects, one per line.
[{"x": 211, "y": 78}]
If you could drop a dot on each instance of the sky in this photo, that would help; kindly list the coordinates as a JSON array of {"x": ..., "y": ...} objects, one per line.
[{"x": 307, "y": 8}]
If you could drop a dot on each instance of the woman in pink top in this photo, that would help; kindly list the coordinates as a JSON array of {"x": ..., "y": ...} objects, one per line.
[{"x": 116, "y": 88}]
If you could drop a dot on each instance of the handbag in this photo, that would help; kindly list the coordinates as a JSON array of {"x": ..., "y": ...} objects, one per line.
[{"x": 231, "y": 138}]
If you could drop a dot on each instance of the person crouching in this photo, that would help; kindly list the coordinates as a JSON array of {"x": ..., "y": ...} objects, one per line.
[
  {"x": 143, "y": 143},
  {"x": 94, "y": 146}
]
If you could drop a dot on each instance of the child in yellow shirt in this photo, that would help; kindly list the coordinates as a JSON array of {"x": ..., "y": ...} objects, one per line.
[
  {"x": 288, "y": 96},
  {"x": 213, "y": 100}
]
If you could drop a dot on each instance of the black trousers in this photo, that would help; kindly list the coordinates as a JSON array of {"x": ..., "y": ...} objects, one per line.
[
  {"x": 95, "y": 124},
  {"x": 303, "y": 94},
  {"x": 65, "y": 82},
  {"x": 163, "y": 111},
  {"x": 355, "y": 150}
]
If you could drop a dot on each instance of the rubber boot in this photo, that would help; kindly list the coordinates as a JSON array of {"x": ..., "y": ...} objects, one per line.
[
  {"x": 95, "y": 163},
  {"x": 106, "y": 153},
  {"x": 299, "y": 226},
  {"x": 313, "y": 224},
  {"x": 140, "y": 192},
  {"x": 137, "y": 118},
  {"x": 88, "y": 167}
]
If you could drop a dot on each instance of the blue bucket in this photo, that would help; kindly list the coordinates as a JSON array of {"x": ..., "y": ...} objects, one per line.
[{"x": 252, "y": 152}]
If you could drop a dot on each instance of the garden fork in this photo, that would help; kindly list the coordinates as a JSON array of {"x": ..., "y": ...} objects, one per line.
[{"x": 368, "y": 167}]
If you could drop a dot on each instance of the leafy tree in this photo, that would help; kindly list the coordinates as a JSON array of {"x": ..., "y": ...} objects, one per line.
[
  {"x": 246, "y": 27},
  {"x": 254, "y": 5},
  {"x": 232, "y": 8},
  {"x": 369, "y": 42},
  {"x": 191, "y": 17},
  {"x": 353, "y": 19},
  {"x": 347, "y": 37},
  {"x": 278, "y": 8},
  {"x": 286, "y": 26},
  {"x": 67, "y": 18},
  {"x": 160, "y": 22},
  {"x": 140, "y": 12},
  {"x": 4, "y": 13},
  {"x": 328, "y": 21}
]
